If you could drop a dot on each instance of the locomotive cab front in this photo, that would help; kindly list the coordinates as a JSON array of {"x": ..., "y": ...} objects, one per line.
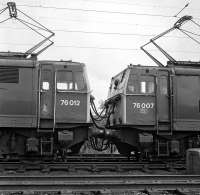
[
  {"x": 139, "y": 105},
  {"x": 136, "y": 97},
  {"x": 64, "y": 94},
  {"x": 64, "y": 102},
  {"x": 140, "y": 97}
]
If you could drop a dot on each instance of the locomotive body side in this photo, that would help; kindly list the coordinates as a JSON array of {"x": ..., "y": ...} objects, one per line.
[
  {"x": 18, "y": 102},
  {"x": 18, "y": 88},
  {"x": 186, "y": 97}
]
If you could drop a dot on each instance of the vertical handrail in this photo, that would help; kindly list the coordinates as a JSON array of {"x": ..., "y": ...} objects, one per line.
[
  {"x": 54, "y": 105},
  {"x": 171, "y": 102},
  {"x": 39, "y": 98},
  {"x": 156, "y": 105}
]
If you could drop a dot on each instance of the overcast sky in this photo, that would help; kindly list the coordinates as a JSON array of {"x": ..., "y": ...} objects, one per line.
[{"x": 106, "y": 35}]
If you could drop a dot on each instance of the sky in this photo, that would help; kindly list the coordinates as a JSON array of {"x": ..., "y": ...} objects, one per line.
[{"x": 106, "y": 35}]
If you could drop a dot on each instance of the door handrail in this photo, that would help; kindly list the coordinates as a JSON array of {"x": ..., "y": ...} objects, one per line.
[
  {"x": 39, "y": 98},
  {"x": 54, "y": 103}
]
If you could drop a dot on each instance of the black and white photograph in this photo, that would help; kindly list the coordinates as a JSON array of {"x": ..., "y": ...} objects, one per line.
[{"x": 99, "y": 97}]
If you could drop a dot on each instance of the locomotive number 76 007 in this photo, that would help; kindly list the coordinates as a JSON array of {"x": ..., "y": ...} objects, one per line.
[
  {"x": 70, "y": 102},
  {"x": 147, "y": 105}
]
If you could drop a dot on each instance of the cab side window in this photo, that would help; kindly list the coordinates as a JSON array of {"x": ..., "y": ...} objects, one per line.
[
  {"x": 143, "y": 85},
  {"x": 46, "y": 80},
  {"x": 163, "y": 85},
  {"x": 79, "y": 81},
  {"x": 45, "y": 85},
  {"x": 132, "y": 84},
  {"x": 147, "y": 85},
  {"x": 64, "y": 80},
  {"x": 70, "y": 81}
]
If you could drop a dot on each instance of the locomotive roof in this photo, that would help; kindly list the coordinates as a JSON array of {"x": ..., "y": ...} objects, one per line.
[
  {"x": 183, "y": 63},
  {"x": 69, "y": 63},
  {"x": 131, "y": 66},
  {"x": 15, "y": 55},
  {"x": 12, "y": 60},
  {"x": 170, "y": 64}
]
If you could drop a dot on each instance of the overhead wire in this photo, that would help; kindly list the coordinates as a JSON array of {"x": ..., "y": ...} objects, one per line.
[
  {"x": 138, "y": 4},
  {"x": 100, "y": 32},
  {"x": 103, "y": 22},
  {"x": 99, "y": 11},
  {"x": 131, "y": 4},
  {"x": 99, "y": 48},
  {"x": 94, "y": 10},
  {"x": 103, "y": 11},
  {"x": 122, "y": 49},
  {"x": 97, "y": 21}
]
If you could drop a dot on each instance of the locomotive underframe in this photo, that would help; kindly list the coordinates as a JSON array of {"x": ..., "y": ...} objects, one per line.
[
  {"x": 132, "y": 140},
  {"x": 20, "y": 142}
]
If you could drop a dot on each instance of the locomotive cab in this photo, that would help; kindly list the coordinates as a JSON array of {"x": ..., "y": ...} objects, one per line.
[
  {"x": 136, "y": 97},
  {"x": 131, "y": 101},
  {"x": 64, "y": 101},
  {"x": 64, "y": 95},
  {"x": 158, "y": 104}
]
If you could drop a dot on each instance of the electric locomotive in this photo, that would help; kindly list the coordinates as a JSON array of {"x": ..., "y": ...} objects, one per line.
[
  {"x": 44, "y": 105},
  {"x": 156, "y": 109}
]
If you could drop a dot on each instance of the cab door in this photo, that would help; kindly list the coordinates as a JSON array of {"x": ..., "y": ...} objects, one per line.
[
  {"x": 164, "y": 103},
  {"x": 46, "y": 92},
  {"x": 140, "y": 102},
  {"x": 163, "y": 96},
  {"x": 71, "y": 96}
]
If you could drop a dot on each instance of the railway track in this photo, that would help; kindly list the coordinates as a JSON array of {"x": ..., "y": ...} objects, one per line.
[
  {"x": 94, "y": 166},
  {"x": 100, "y": 184},
  {"x": 97, "y": 176}
]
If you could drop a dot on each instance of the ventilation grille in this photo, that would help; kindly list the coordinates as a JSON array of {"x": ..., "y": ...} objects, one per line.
[{"x": 9, "y": 75}]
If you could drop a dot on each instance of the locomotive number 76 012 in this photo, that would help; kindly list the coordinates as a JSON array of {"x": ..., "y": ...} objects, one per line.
[{"x": 70, "y": 102}]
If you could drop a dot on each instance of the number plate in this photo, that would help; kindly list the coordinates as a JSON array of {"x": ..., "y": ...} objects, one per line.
[
  {"x": 148, "y": 105},
  {"x": 69, "y": 102}
]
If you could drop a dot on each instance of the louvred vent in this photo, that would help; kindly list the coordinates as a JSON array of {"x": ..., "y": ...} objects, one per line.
[{"x": 9, "y": 75}]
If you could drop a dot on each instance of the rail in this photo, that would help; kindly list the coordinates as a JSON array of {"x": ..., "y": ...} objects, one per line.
[{"x": 66, "y": 184}]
